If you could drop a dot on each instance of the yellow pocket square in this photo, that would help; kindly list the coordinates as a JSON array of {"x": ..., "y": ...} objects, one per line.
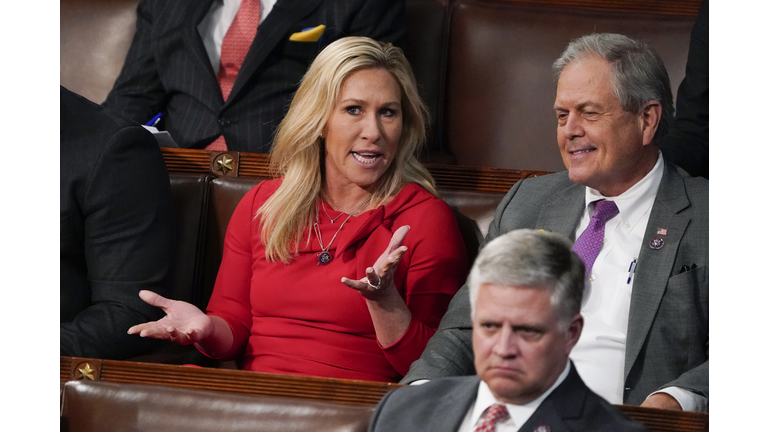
[{"x": 309, "y": 34}]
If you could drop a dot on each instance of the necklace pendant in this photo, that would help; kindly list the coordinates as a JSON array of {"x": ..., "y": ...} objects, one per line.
[{"x": 323, "y": 258}]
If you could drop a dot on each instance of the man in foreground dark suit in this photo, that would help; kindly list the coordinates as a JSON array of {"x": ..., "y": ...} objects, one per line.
[
  {"x": 525, "y": 292},
  {"x": 646, "y": 305},
  {"x": 172, "y": 66},
  {"x": 118, "y": 230}
]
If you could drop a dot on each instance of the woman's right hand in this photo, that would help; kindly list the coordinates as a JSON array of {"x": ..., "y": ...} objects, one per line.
[{"x": 183, "y": 323}]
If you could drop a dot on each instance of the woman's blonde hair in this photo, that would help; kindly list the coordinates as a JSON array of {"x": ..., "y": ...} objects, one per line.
[{"x": 297, "y": 154}]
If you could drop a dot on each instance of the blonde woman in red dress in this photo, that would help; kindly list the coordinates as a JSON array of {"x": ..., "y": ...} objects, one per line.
[{"x": 343, "y": 266}]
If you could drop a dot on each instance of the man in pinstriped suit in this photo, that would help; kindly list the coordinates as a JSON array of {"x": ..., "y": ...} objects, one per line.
[{"x": 168, "y": 68}]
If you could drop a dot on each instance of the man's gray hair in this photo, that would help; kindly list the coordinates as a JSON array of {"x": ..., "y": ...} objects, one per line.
[
  {"x": 534, "y": 259},
  {"x": 638, "y": 74}
]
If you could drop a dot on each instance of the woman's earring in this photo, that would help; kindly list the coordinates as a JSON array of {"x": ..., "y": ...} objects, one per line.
[{"x": 321, "y": 135}]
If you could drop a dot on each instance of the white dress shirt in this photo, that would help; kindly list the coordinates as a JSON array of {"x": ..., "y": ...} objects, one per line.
[
  {"x": 518, "y": 414},
  {"x": 216, "y": 23},
  {"x": 599, "y": 353}
]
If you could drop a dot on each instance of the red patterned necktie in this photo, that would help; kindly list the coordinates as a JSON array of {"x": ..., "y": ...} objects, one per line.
[
  {"x": 588, "y": 245},
  {"x": 235, "y": 46},
  {"x": 493, "y": 414}
]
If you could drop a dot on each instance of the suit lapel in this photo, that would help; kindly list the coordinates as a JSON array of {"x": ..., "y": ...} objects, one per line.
[
  {"x": 566, "y": 402},
  {"x": 563, "y": 212},
  {"x": 196, "y": 11},
  {"x": 545, "y": 415},
  {"x": 272, "y": 31},
  {"x": 655, "y": 266}
]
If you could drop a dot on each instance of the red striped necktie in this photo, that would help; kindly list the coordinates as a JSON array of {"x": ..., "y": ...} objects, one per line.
[
  {"x": 493, "y": 414},
  {"x": 235, "y": 46}
]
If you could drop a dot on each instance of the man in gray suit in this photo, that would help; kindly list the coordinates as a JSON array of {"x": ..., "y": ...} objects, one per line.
[
  {"x": 646, "y": 305},
  {"x": 525, "y": 293}
]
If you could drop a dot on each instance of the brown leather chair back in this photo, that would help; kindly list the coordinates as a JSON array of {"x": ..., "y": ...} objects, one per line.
[
  {"x": 225, "y": 194},
  {"x": 190, "y": 200},
  {"x": 499, "y": 86},
  {"x": 97, "y": 406},
  {"x": 94, "y": 38},
  {"x": 474, "y": 212}
]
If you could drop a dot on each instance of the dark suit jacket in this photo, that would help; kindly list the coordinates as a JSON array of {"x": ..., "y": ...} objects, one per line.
[
  {"x": 167, "y": 68},
  {"x": 442, "y": 404},
  {"x": 687, "y": 143},
  {"x": 668, "y": 332},
  {"x": 117, "y": 230}
]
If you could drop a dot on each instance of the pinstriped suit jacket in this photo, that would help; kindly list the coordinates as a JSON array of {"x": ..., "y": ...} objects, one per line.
[
  {"x": 668, "y": 332},
  {"x": 167, "y": 68}
]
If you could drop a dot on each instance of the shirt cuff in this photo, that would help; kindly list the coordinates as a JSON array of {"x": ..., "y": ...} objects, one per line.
[{"x": 688, "y": 400}]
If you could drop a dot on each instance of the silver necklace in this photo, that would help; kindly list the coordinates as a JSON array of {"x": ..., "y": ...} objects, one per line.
[
  {"x": 333, "y": 220},
  {"x": 325, "y": 257}
]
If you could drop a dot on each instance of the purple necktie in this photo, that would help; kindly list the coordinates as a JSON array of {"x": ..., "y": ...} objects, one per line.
[{"x": 588, "y": 245}]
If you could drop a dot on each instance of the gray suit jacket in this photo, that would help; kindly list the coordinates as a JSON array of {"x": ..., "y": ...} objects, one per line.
[
  {"x": 167, "y": 68},
  {"x": 668, "y": 332},
  {"x": 441, "y": 405}
]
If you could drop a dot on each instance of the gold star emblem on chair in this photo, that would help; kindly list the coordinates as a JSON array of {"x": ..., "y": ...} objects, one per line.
[
  {"x": 223, "y": 163},
  {"x": 86, "y": 371}
]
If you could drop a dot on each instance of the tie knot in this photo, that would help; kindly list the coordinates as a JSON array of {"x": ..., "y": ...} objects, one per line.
[
  {"x": 493, "y": 415},
  {"x": 604, "y": 210},
  {"x": 497, "y": 412}
]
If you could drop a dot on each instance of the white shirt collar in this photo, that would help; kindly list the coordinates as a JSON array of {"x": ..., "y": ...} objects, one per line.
[
  {"x": 519, "y": 414},
  {"x": 635, "y": 201}
]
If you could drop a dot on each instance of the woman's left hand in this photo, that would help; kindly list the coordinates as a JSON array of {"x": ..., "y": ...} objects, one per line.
[
  {"x": 389, "y": 313},
  {"x": 378, "y": 284}
]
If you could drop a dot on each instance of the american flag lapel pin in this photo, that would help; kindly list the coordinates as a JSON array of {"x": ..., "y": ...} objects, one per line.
[{"x": 661, "y": 231}]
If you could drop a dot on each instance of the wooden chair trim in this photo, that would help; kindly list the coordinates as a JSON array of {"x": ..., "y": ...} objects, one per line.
[
  {"x": 667, "y": 421},
  {"x": 455, "y": 177},
  {"x": 342, "y": 391}
]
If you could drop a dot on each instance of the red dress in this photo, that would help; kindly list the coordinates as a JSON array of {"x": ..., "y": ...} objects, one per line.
[{"x": 300, "y": 319}]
